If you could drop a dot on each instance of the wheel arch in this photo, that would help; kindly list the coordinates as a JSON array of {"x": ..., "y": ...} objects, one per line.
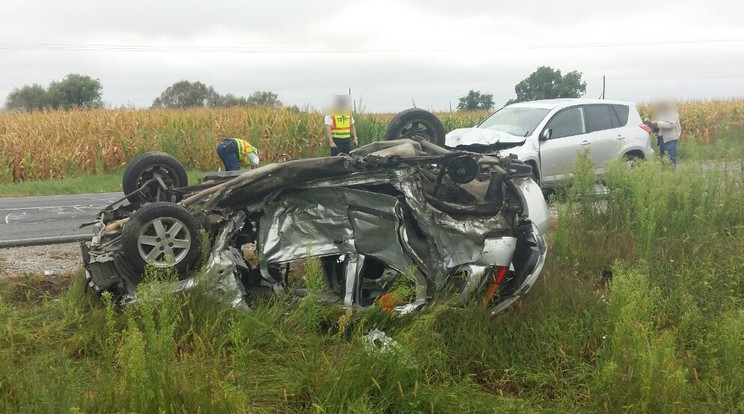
[
  {"x": 536, "y": 173},
  {"x": 636, "y": 153}
]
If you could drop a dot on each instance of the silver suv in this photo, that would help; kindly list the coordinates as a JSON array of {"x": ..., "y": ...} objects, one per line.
[{"x": 549, "y": 135}]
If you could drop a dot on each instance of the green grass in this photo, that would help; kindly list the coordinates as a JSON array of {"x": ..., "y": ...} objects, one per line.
[
  {"x": 665, "y": 336},
  {"x": 81, "y": 184},
  {"x": 71, "y": 353}
]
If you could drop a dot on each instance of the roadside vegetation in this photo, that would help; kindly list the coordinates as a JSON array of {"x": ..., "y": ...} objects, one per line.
[
  {"x": 77, "y": 184},
  {"x": 638, "y": 310}
]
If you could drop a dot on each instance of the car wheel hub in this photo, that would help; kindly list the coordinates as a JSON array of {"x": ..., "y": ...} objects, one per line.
[
  {"x": 416, "y": 128},
  {"x": 164, "y": 242},
  {"x": 152, "y": 191}
]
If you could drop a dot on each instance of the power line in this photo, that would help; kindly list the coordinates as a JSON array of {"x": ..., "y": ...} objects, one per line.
[
  {"x": 408, "y": 49},
  {"x": 678, "y": 78}
]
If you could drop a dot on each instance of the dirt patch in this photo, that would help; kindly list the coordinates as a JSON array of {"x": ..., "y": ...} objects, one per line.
[
  {"x": 31, "y": 290},
  {"x": 58, "y": 259}
]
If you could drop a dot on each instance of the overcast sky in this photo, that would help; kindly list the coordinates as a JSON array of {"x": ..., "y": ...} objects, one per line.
[{"x": 388, "y": 52}]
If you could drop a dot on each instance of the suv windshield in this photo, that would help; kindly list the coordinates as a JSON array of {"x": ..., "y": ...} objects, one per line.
[{"x": 515, "y": 120}]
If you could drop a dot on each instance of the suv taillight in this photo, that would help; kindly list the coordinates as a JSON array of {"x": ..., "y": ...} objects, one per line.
[{"x": 646, "y": 128}]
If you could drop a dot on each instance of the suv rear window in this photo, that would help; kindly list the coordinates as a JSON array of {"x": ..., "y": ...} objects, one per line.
[
  {"x": 622, "y": 113},
  {"x": 598, "y": 117}
]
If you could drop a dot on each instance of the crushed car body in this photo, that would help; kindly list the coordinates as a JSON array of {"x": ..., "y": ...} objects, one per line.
[{"x": 449, "y": 223}]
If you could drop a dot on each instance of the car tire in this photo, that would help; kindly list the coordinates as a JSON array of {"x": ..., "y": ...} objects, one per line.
[
  {"x": 164, "y": 235},
  {"x": 416, "y": 122},
  {"x": 631, "y": 159},
  {"x": 145, "y": 167}
]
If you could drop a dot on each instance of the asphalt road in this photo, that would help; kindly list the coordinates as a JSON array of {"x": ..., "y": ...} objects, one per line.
[{"x": 51, "y": 219}]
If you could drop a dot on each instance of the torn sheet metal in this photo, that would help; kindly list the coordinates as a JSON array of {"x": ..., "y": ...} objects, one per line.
[
  {"x": 331, "y": 221},
  {"x": 225, "y": 264}
]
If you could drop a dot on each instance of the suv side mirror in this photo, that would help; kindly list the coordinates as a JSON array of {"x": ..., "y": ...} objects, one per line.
[{"x": 546, "y": 134}]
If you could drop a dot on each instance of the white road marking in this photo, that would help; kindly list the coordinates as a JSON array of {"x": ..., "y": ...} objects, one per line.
[
  {"x": 56, "y": 218},
  {"x": 78, "y": 206},
  {"x": 12, "y": 216}
]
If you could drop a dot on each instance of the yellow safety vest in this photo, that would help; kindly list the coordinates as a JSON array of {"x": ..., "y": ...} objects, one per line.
[
  {"x": 245, "y": 148},
  {"x": 341, "y": 128}
]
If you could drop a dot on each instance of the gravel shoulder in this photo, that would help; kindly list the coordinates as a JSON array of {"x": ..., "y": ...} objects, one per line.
[{"x": 58, "y": 259}]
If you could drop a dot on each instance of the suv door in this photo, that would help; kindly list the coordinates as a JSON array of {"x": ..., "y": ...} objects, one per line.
[
  {"x": 605, "y": 139},
  {"x": 567, "y": 139}
]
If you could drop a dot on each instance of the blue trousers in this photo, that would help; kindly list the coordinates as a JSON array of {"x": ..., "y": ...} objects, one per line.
[
  {"x": 228, "y": 153},
  {"x": 669, "y": 148}
]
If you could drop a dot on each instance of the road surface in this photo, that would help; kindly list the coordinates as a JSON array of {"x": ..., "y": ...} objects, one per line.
[{"x": 50, "y": 219}]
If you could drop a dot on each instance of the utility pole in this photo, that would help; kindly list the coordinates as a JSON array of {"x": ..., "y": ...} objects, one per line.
[{"x": 604, "y": 85}]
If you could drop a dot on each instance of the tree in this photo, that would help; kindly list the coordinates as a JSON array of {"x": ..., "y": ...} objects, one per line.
[
  {"x": 258, "y": 98},
  {"x": 264, "y": 98},
  {"x": 548, "y": 83},
  {"x": 185, "y": 94},
  {"x": 232, "y": 100},
  {"x": 27, "y": 98},
  {"x": 475, "y": 101},
  {"x": 75, "y": 91}
]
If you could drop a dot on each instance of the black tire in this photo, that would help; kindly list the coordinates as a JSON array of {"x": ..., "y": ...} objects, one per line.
[
  {"x": 145, "y": 167},
  {"x": 141, "y": 238},
  {"x": 416, "y": 122},
  {"x": 632, "y": 158}
]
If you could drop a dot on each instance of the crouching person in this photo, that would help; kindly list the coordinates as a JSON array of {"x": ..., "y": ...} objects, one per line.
[{"x": 236, "y": 153}]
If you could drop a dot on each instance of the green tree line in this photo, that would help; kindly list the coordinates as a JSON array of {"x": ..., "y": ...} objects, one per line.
[
  {"x": 74, "y": 91},
  {"x": 543, "y": 83}
]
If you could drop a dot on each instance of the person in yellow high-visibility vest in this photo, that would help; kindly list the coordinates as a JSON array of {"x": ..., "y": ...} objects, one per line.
[
  {"x": 340, "y": 127},
  {"x": 235, "y": 153}
]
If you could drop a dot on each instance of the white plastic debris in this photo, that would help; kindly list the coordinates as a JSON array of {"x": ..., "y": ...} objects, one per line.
[
  {"x": 50, "y": 272},
  {"x": 378, "y": 341}
]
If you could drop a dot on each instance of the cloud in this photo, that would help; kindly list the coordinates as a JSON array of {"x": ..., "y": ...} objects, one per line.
[{"x": 389, "y": 52}]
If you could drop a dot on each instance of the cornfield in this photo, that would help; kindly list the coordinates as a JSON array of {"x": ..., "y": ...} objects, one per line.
[
  {"x": 59, "y": 144},
  {"x": 704, "y": 121}
]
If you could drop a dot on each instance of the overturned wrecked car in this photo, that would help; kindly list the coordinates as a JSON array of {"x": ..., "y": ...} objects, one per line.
[{"x": 397, "y": 211}]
